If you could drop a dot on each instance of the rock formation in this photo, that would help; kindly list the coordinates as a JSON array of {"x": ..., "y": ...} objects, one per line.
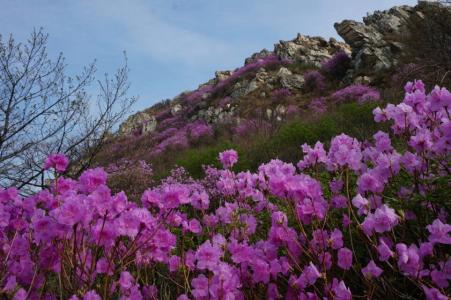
[
  {"x": 376, "y": 42},
  {"x": 309, "y": 50}
]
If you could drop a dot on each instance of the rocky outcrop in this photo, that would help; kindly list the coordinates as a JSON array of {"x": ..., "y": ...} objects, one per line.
[
  {"x": 375, "y": 42},
  {"x": 256, "y": 56},
  {"x": 141, "y": 122},
  {"x": 176, "y": 108},
  {"x": 289, "y": 80},
  {"x": 309, "y": 50},
  {"x": 222, "y": 75}
]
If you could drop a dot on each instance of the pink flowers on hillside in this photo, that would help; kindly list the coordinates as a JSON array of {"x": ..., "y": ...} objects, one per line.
[
  {"x": 280, "y": 94},
  {"x": 359, "y": 92},
  {"x": 314, "y": 81},
  {"x": 337, "y": 65},
  {"x": 351, "y": 218}
]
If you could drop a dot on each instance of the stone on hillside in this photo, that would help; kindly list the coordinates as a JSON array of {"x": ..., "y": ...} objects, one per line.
[
  {"x": 222, "y": 75},
  {"x": 289, "y": 80},
  {"x": 245, "y": 87},
  {"x": 252, "y": 86},
  {"x": 256, "y": 56},
  {"x": 281, "y": 109},
  {"x": 363, "y": 80},
  {"x": 176, "y": 108},
  {"x": 284, "y": 72},
  {"x": 268, "y": 113},
  {"x": 239, "y": 89},
  {"x": 141, "y": 121},
  {"x": 262, "y": 76}
]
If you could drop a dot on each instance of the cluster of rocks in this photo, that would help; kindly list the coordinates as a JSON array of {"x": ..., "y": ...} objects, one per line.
[
  {"x": 283, "y": 77},
  {"x": 215, "y": 115},
  {"x": 142, "y": 122},
  {"x": 309, "y": 50}
]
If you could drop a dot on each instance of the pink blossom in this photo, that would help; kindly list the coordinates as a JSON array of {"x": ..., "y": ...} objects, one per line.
[
  {"x": 91, "y": 295},
  {"x": 207, "y": 256},
  {"x": 344, "y": 258},
  {"x": 439, "y": 232},
  {"x": 91, "y": 179},
  {"x": 433, "y": 294},
  {"x": 372, "y": 270},
  {"x": 57, "y": 161},
  {"x": 341, "y": 291},
  {"x": 126, "y": 280},
  {"x": 384, "y": 251},
  {"x": 228, "y": 158}
]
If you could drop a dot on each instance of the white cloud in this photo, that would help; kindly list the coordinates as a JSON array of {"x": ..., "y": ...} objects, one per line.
[{"x": 147, "y": 32}]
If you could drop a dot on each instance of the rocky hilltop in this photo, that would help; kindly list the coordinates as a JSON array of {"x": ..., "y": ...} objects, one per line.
[
  {"x": 303, "y": 90},
  {"x": 308, "y": 50},
  {"x": 301, "y": 75}
]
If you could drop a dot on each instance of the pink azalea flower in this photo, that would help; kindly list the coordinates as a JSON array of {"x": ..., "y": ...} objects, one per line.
[
  {"x": 57, "y": 161},
  {"x": 344, "y": 258},
  {"x": 372, "y": 270},
  {"x": 228, "y": 158}
]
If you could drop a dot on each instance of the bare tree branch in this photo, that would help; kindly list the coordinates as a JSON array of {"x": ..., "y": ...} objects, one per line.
[{"x": 43, "y": 110}]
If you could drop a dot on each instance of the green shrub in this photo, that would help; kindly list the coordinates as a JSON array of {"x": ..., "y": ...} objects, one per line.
[{"x": 193, "y": 159}]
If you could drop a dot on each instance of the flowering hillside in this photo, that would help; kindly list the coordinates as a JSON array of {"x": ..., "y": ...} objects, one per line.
[
  {"x": 357, "y": 219},
  {"x": 305, "y": 89}
]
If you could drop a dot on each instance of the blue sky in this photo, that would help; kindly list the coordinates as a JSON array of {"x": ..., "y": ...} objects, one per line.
[{"x": 174, "y": 45}]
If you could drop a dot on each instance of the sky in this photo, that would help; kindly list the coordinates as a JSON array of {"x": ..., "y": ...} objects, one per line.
[{"x": 173, "y": 45}]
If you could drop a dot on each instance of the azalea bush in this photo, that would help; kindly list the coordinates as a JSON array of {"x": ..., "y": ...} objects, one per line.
[
  {"x": 314, "y": 81},
  {"x": 364, "y": 219},
  {"x": 337, "y": 65},
  {"x": 357, "y": 92},
  {"x": 280, "y": 94},
  {"x": 318, "y": 105}
]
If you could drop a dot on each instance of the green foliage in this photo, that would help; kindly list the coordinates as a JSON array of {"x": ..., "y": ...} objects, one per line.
[
  {"x": 351, "y": 118},
  {"x": 355, "y": 120},
  {"x": 193, "y": 159}
]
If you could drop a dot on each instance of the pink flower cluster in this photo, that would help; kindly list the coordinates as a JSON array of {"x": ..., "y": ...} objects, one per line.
[
  {"x": 314, "y": 81},
  {"x": 337, "y": 65},
  {"x": 246, "y": 127},
  {"x": 180, "y": 138},
  {"x": 280, "y": 94},
  {"x": 356, "y": 219},
  {"x": 228, "y": 158},
  {"x": 56, "y": 161},
  {"x": 318, "y": 105},
  {"x": 206, "y": 91},
  {"x": 359, "y": 92}
]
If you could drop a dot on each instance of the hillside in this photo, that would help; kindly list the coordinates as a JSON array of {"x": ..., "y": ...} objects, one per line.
[
  {"x": 282, "y": 94},
  {"x": 318, "y": 170}
]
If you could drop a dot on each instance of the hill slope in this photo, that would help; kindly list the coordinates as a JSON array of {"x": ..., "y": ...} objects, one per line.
[
  {"x": 358, "y": 216},
  {"x": 304, "y": 89}
]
